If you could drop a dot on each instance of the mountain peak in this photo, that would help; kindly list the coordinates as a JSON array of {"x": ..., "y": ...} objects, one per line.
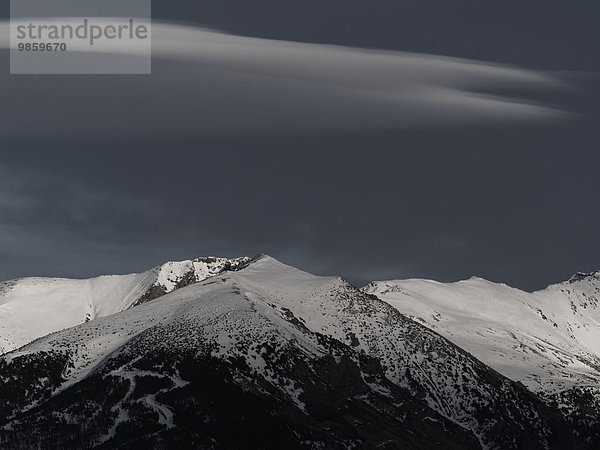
[{"x": 316, "y": 346}]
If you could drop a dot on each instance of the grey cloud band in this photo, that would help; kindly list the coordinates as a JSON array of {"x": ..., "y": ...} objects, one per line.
[{"x": 221, "y": 85}]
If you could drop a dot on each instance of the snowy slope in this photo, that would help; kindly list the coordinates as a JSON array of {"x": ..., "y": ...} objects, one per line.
[
  {"x": 34, "y": 307},
  {"x": 278, "y": 327},
  {"x": 549, "y": 340}
]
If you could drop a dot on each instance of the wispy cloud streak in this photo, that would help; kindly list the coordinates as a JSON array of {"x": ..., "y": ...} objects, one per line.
[{"x": 207, "y": 83}]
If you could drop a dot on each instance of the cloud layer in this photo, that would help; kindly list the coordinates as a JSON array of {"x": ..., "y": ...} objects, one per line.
[{"x": 209, "y": 84}]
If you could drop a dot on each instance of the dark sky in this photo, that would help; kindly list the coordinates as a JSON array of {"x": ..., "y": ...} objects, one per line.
[{"x": 507, "y": 200}]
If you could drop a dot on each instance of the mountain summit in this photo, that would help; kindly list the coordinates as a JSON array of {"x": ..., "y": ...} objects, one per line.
[{"x": 287, "y": 360}]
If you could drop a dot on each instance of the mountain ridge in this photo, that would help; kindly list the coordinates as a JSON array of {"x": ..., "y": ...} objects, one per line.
[
  {"x": 549, "y": 340},
  {"x": 35, "y": 306},
  {"x": 266, "y": 333}
]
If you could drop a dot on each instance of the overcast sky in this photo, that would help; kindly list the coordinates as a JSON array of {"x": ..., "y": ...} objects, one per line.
[{"x": 365, "y": 164}]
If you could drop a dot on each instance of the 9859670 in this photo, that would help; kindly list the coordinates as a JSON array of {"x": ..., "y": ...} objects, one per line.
[{"x": 42, "y": 47}]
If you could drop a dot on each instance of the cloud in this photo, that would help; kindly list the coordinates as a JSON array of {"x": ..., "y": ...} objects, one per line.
[{"x": 210, "y": 84}]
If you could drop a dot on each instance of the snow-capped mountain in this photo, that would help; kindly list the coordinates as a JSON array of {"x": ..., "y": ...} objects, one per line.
[
  {"x": 34, "y": 307},
  {"x": 286, "y": 358},
  {"x": 548, "y": 340}
]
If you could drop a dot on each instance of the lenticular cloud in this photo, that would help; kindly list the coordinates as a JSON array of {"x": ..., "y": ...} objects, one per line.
[{"x": 209, "y": 84}]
